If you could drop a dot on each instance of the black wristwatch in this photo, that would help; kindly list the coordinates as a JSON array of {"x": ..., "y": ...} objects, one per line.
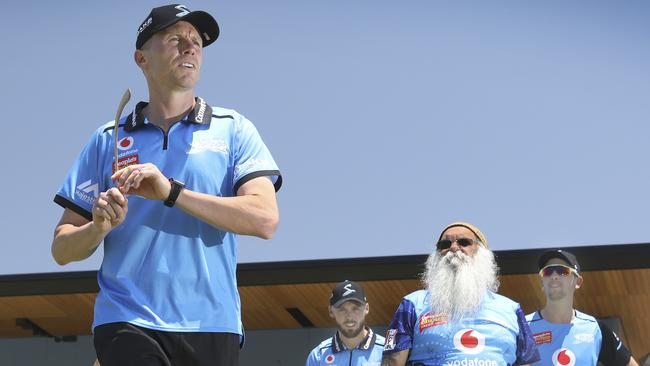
[{"x": 177, "y": 187}]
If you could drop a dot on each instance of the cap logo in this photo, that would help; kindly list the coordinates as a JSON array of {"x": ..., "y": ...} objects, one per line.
[
  {"x": 184, "y": 10},
  {"x": 145, "y": 25},
  {"x": 348, "y": 290}
]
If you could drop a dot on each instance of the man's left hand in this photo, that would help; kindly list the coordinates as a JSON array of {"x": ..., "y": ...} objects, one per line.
[{"x": 144, "y": 180}]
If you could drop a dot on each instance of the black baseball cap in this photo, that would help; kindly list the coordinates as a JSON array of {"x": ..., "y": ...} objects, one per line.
[
  {"x": 561, "y": 254},
  {"x": 164, "y": 16},
  {"x": 347, "y": 290}
]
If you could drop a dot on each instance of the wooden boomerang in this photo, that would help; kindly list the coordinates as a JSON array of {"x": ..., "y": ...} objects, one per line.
[{"x": 125, "y": 99}]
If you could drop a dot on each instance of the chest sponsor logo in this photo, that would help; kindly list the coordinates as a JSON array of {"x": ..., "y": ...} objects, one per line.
[
  {"x": 564, "y": 357},
  {"x": 213, "y": 145},
  {"x": 544, "y": 337},
  {"x": 329, "y": 359},
  {"x": 391, "y": 334},
  {"x": 469, "y": 341},
  {"x": 88, "y": 191},
  {"x": 583, "y": 338},
  {"x": 125, "y": 143},
  {"x": 429, "y": 320},
  {"x": 126, "y": 161}
]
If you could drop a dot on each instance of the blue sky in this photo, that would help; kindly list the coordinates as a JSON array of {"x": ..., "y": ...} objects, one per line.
[{"x": 389, "y": 119}]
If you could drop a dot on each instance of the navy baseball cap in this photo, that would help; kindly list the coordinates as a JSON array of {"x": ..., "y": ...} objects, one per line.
[
  {"x": 164, "y": 16},
  {"x": 560, "y": 254},
  {"x": 345, "y": 291}
]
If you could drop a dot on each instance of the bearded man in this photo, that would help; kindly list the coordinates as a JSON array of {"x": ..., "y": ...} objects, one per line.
[
  {"x": 459, "y": 319},
  {"x": 354, "y": 343}
]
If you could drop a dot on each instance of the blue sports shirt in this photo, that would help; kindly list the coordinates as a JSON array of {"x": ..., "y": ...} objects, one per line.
[
  {"x": 583, "y": 341},
  {"x": 164, "y": 269},
  {"x": 332, "y": 352},
  {"x": 498, "y": 334}
]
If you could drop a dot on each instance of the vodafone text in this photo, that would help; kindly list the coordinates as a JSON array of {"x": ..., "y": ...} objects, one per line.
[{"x": 472, "y": 362}]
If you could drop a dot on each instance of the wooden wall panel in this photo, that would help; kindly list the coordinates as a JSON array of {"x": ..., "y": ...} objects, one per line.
[{"x": 620, "y": 293}]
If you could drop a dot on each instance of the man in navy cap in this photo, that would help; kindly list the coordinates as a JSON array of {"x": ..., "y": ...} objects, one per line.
[
  {"x": 354, "y": 343},
  {"x": 187, "y": 179},
  {"x": 564, "y": 335}
]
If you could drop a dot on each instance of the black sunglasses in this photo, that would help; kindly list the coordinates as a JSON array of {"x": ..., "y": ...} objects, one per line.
[{"x": 446, "y": 243}]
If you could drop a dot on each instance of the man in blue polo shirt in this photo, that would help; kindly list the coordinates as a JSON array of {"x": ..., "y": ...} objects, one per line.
[
  {"x": 459, "y": 320},
  {"x": 188, "y": 178},
  {"x": 564, "y": 335},
  {"x": 354, "y": 343}
]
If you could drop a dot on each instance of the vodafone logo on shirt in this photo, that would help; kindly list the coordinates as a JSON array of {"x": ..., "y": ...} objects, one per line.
[
  {"x": 469, "y": 341},
  {"x": 125, "y": 143},
  {"x": 564, "y": 357}
]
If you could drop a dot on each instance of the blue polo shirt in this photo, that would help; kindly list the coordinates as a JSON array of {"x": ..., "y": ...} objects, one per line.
[
  {"x": 332, "y": 352},
  {"x": 497, "y": 335},
  {"x": 164, "y": 269}
]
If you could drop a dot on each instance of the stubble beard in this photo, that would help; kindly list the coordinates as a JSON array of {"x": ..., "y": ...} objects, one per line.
[{"x": 351, "y": 333}]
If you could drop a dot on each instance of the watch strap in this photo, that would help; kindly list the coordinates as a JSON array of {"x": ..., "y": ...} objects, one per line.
[{"x": 177, "y": 187}]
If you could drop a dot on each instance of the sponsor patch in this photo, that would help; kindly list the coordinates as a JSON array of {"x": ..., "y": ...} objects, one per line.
[
  {"x": 391, "y": 334},
  {"x": 126, "y": 161},
  {"x": 469, "y": 341},
  {"x": 544, "y": 337},
  {"x": 564, "y": 357},
  {"x": 329, "y": 359},
  {"x": 430, "y": 320},
  {"x": 125, "y": 143}
]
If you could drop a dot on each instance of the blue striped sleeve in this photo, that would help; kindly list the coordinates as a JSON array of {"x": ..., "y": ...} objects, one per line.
[
  {"x": 527, "y": 351},
  {"x": 399, "y": 335}
]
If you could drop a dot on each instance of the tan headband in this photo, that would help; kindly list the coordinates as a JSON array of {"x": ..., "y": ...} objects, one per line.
[{"x": 471, "y": 227}]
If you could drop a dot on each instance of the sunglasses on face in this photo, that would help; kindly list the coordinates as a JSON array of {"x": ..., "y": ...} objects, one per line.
[
  {"x": 560, "y": 269},
  {"x": 446, "y": 243}
]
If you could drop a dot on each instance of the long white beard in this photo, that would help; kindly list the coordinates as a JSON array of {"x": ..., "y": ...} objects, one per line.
[{"x": 458, "y": 282}]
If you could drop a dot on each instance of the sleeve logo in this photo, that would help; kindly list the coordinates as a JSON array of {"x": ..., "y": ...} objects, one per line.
[
  {"x": 87, "y": 191},
  {"x": 391, "y": 334}
]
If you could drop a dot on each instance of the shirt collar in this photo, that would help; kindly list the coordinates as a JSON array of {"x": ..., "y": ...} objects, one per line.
[
  {"x": 366, "y": 343},
  {"x": 201, "y": 114}
]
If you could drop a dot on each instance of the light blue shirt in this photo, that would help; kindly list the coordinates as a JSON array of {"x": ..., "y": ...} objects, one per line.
[
  {"x": 568, "y": 344},
  {"x": 497, "y": 335},
  {"x": 164, "y": 269},
  {"x": 332, "y": 352}
]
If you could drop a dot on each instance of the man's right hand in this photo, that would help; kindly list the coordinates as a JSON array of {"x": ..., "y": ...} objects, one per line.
[{"x": 109, "y": 210}]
